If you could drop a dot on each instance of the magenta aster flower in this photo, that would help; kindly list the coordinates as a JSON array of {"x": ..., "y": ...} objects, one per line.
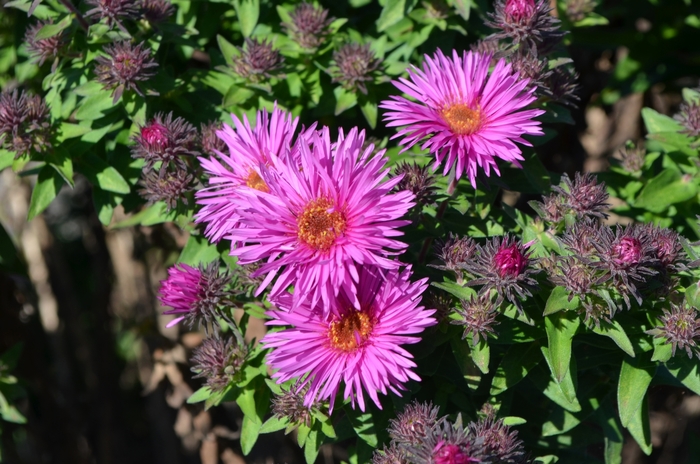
[
  {"x": 248, "y": 149},
  {"x": 322, "y": 219},
  {"x": 464, "y": 115},
  {"x": 361, "y": 348}
]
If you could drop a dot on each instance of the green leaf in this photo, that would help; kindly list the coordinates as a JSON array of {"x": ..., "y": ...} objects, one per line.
[
  {"x": 198, "y": 250},
  {"x": 662, "y": 350},
  {"x": 11, "y": 356},
  {"x": 638, "y": 427},
  {"x": 102, "y": 174},
  {"x": 248, "y": 12},
  {"x": 463, "y": 8},
  {"x": 667, "y": 188},
  {"x": 11, "y": 414},
  {"x": 392, "y": 13},
  {"x": 369, "y": 110},
  {"x": 617, "y": 334},
  {"x": 635, "y": 377},
  {"x": 563, "y": 422},
  {"x": 363, "y": 424},
  {"x": 236, "y": 95},
  {"x": 47, "y": 186},
  {"x": 61, "y": 161},
  {"x": 246, "y": 401},
  {"x": 50, "y": 30},
  {"x": 6, "y": 158},
  {"x": 344, "y": 100},
  {"x": 68, "y": 131},
  {"x": 104, "y": 204},
  {"x": 463, "y": 293},
  {"x": 312, "y": 445},
  {"x": 200, "y": 395},
  {"x": 250, "y": 430},
  {"x": 558, "y": 300},
  {"x": 480, "y": 355},
  {"x": 657, "y": 122},
  {"x": 593, "y": 19},
  {"x": 515, "y": 365},
  {"x": 514, "y": 420},
  {"x": 274, "y": 424},
  {"x": 95, "y": 106},
  {"x": 562, "y": 393},
  {"x": 561, "y": 328},
  {"x": 227, "y": 49},
  {"x": 686, "y": 371},
  {"x": 88, "y": 88}
]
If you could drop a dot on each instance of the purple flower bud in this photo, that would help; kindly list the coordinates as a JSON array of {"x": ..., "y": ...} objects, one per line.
[
  {"x": 309, "y": 26},
  {"x": 113, "y": 11},
  {"x": 633, "y": 157},
  {"x": 156, "y": 11},
  {"x": 584, "y": 196},
  {"x": 290, "y": 404},
  {"x": 165, "y": 140},
  {"x": 219, "y": 361},
  {"x": 124, "y": 66},
  {"x": 626, "y": 252},
  {"x": 520, "y": 10},
  {"x": 561, "y": 86},
  {"x": 415, "y": 179},
  {"x": 478, "y": 316},
  {"x": 212, "y": 143},
  {"x": 527, "y": 23},
  {"x": 681, "y": 328},
  {"x": 689, "y": 117},
  {"x": 44, "y": 49},
  {"x": 393, "y": 454},
  {"x": 448, "y": 453},
  {"x": 501, "y": 444},
  {"x": 510, "y": 261},
  {"x": 257, "y": 60},
  {"x": 414, "y": 423},
  {"x": 354, "y": 64},
  {"x": 166, "y": 185}
]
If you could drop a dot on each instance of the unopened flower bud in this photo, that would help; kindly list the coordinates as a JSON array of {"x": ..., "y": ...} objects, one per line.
[
  {"x": 123, "y": 67},
  {"x": 256, "y": 60},
  {"x": 218, "y": 361},
  {"x": 689, "y": 117},
  {"x": 309, "y": 26},
  {"x": 681, "y": 328},
  {"x": 354, "y": 65}
]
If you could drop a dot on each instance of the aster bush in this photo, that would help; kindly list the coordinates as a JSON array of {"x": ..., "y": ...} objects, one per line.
[{"x": 366, "y": 183}]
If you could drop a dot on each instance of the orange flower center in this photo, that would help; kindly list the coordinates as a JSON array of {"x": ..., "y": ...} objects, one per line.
[
  {"x": 350, "y": 331},
  {"x": 462, "y": 119},
  {"x": 256, "y": 182},
  {"x": 319, "y": 225}
]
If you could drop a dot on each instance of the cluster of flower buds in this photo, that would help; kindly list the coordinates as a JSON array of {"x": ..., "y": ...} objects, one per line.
[
  {"x": 257, "y": 59},
  {"x": 354, "y": 64},
  {"x": 166, "y": 145},
  {"x": 309, "y": 25},
  {"x": 124, "y": 66},
  {"x": 526, "y": 32},
  {"x": 607, "y": 268},
  {"x": 24, "y": 123},
  {"x": 419, "y": 436}
]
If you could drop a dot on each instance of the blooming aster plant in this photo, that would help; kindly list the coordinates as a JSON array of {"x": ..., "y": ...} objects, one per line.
[
  {"x": 321, "y": 219},
  {"x": 359, "y": 347},
  {"x": 464, "y": 115}
]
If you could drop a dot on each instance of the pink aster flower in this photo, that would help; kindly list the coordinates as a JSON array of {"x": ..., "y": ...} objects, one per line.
[
  {"x": 464, "y": 115},
  {"x": 322, "y": 219},
  {"x": 361, "y": 348},
  {"x": 248, "y": 149}
]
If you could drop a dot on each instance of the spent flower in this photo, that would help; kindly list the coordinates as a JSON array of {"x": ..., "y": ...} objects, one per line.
[{"x": 464, "y": 115}]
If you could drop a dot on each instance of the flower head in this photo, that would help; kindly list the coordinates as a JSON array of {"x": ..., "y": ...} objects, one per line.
[
  {"x": 580, "y": 237},
  {"x": 309, "y": 26},
  {"x": 219, "y": 361},
  {"x": 666, "y": 246},
  {"x": 633, "y": 157},
  {"x": 359, "y": 347},
  {"x": 393, "y": 454},
  {"x": 165, "y": 140},
  {"x": 249, "y": 147},
  {"x": 195, "y": 294},
  {"x": 24, "y": 123},
  {"x": 354, "y": 65},
  {"x": 689, "y": 117},
  {"x": 447, "y": 443},
  {"x": 478, "y": 316},
  {"x": 470, "y": 116},
  {"x": 455, "y": 252},
  {"x": 414, "y": 423},
  {"x": 500, "y": 443},
  {"x": 156, "y": 11},
  {"x": 561, "y": 85},
  {"x": 167, "y": 185},
  {"x": 503, "y": 264},
  {"x": 49, "y": 48},
  {"x": 415, "y": 179},
  {"x": 551, "y": 208},
  {"x": 257, "y": 59},
  {"x": 123, "y": 67},
  {"x": 316, "y": 223},
  {"x": 681, "y": 328},
  {"x": 519, "y": 10},
  {"x": 114, "y": 11}
]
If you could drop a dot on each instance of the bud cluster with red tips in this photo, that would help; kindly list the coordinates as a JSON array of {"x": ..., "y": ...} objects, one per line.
[{"x": 419, "y": 436}]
